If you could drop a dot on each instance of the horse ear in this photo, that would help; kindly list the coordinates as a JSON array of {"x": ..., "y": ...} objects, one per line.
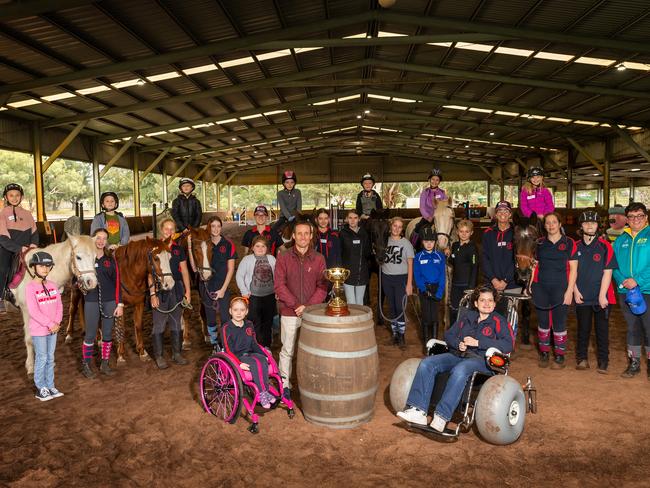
[
  {"x": 516, "y": 218},
  {"x": 74, "y": 239}
]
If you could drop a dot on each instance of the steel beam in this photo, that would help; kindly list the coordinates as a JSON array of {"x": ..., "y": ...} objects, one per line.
[
  {"x": 607, "y": 172},
  {"x": 38, "y": 171},
  {"x": 627, "y": 138},
  {"x": 96, "y": 180},
  {"x": 218, "y": 175},
  {"x": 154, "y": 163},
  {"x": 207, "y": 166},
  {"x": 180, "y": 169},
  {"x": 64, "y": 144},
  {"x": 229, "y": 179},
  {"x": 586, "y": 155},
  {"x": 214, "y": 92},
  {"x": 546, "y": 157},
  {"x": 117, "y": 156},
  {"x": 136, "y": 183}
]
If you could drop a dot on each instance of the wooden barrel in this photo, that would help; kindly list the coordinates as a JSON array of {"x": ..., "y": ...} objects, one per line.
[{"x": 337, "y": 367}]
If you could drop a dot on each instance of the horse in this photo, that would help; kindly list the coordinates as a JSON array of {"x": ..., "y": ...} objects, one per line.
[
  {"x": 136, "y": 261},
  {"x": 199, "y": 256},
  {"x": 378, "y": 230},
  {"x": 74, "y": 257},
  {"x": 286, "y": 230}
]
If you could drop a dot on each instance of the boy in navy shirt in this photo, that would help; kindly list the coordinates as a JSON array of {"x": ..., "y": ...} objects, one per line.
[
  {"x": 594, "y": 291},
  {"x": 429, "y": 274},
  {"x": 464, "y": 259}
]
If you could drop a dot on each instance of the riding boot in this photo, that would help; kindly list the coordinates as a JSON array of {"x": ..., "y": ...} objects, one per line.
[
  {"x": 424, "y": 332},
  {"x": 633, "y": 368},
  {"x": 177, "y": 342},
  {"x": 434, "y": 330},
  {"x": 157, "y": 343},
  {"x": 106, "y": 354}
]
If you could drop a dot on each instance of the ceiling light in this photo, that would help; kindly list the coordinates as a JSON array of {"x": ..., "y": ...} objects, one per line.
[
  {"x": 635, "y": 169},
  {"x": 358, "y": 116},
  {"x": 366, "y": 111},
  {"x": 491, "y": 133},
  {"x": 466, "y": 146},
  {"x": 140, "y": 82},
  {"x": 621, "y": 67}
]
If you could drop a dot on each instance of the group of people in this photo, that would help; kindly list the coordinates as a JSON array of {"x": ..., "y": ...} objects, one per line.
[{"x": 273, "y": 277}]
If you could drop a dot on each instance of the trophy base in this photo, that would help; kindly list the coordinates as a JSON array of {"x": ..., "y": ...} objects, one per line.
[{"x": 335, "y": 311}]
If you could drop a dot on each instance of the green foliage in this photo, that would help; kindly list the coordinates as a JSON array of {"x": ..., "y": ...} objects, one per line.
[{"x": 18, "y": 168}]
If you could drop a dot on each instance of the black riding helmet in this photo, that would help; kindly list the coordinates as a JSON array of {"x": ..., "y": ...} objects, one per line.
[
  {"x": 435, "y": 172},
  {"x": 182, "y": 181},
  {"x": 427, "y": 234},
  {"x": 109, "y": 194},
  {"x": 13, "y": 186},
  {"x": 368, "y": 176},
  {"x": 535, "y": 171},
  {"x": 589, "y": 216},
  {"x": 41, "y": 257}
]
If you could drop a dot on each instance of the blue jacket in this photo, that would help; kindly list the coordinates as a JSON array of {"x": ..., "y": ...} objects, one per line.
[
  {"x": 494, "y": 331},
  {"x": 429, "y": 268},
  {"x": 633, "y": 256}
]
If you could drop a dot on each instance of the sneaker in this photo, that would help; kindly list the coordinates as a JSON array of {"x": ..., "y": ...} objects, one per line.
[
  {"x": 602, "y": 369},
  {"x": 413, "y": 415},
  {"x": 43, "y": 395},
  {"x": 56, "y": 393},
  {"x": 438, "y": 423},
  {"x": 264, "y": 400},
  {"x": 558, "y": 363},
  {"x": 582, "y": 364},
  {"x": 543, "y": 360}
]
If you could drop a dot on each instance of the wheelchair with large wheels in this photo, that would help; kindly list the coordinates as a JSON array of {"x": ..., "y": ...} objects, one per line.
[
  {"x": 226, "y": 389},
  {"x": 496, "y": 403}
]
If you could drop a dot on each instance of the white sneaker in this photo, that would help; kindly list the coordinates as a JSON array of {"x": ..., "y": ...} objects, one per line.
[
  {"x": 413, "y": 415},
  {"x": 438, "y": 423},
  {"x": 55, "y": 393},
  {"x": 43, "y": 395}
]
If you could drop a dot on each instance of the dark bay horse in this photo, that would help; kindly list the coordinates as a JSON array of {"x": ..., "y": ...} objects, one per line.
[
  {"x": 526, "y": 235},
  {"x": 136, "y": 261}
]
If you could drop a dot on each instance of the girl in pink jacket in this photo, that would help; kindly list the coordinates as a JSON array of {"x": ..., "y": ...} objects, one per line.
[
  {"x": 535, "y": 197},
  {"x": 45, "y": 314}
]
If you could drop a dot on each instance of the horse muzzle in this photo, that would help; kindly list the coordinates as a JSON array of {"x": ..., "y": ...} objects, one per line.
[
  {"x": 87, "y": 282},
  {"x": 167, "y": 283}
]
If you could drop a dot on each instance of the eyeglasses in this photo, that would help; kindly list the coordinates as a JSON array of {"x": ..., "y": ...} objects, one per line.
[{"x": 636, "y": 217}]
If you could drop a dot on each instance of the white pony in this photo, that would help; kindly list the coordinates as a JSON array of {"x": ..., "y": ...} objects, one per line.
[{"x": 73, "y": 257}]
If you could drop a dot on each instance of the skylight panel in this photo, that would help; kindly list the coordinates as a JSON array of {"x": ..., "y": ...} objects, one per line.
[
  {"x": 201, "y": 69},
  {"x": 558, "y": 119},
  {"x": 361, "y": 35},
  {"x": 378, "y": 97},
  {"x": 595, "y": 61},
  {"x": 236, "y": 62},
  {"x": 470, "y": 46},
  {"x": 252, "y": 116},
  {"x": 180, "y": 129},
  {"x": 513, "y": 51},
  {"x": 351, "y": 97},
  {"x": 127, "y": 83},
  {"x": 389, "y": 34},
  {"x": 274, "y": 112},
  {"x": 273, "y": 54},
  {"x": 24, "y": 103},
  {"x": 164, "y": 76},
  {"x": 325, "y": 102},
  {"x": 508, "y": 114},
  {"x": 226, "y": 121},
  {"x": 93, "y": 89},
  {"x": 456, "y": 107},
  {"x": 554, "y": 56},
  {"x": 585, "y": 122},
  {"x": 58, "y": 96},
  {"x": 404, "y": 100},
  {"x": 152, "y": 134}
]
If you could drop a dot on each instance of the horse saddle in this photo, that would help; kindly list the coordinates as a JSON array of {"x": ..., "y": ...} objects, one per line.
[{"x": 17, "y": 271}]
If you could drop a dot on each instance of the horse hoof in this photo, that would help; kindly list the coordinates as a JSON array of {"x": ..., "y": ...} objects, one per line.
[
  {"x": 144, "y": 357},
  {"x": 68, "y": 339},
  {"x": 187, "y": 345},
  {"x": 207, "y": 340},
  {"x": 121, "y": 359}
]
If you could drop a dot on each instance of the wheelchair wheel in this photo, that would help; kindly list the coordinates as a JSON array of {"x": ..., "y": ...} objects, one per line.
[
  {"x": 221, "y": 389},
  {"x": 400, "y": 383},
  {"x": 500, "y": 410}
]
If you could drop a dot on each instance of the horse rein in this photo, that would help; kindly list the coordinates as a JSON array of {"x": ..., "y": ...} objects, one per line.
[
  {"x": 157, "y": 278},
  {"x": 198, "y": 269}
]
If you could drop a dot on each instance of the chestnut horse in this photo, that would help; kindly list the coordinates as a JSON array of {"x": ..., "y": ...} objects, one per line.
[{"x": 137, "y": 260}]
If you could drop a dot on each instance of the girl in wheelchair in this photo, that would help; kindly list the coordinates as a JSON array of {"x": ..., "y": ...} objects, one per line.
[
  {"x": 467, "y": 340},
  {"x": 240, "y": 343}
]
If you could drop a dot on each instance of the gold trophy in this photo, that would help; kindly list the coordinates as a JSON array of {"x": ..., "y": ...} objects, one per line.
[{"x": 337, "y": 306}]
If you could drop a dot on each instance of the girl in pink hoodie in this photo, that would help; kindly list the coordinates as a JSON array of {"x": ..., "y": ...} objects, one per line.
[
  {"x": 535, "y": 197},
  {"x": 45, "y": 314}
]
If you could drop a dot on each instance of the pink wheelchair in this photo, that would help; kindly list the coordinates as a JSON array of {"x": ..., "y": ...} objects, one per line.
[{"x": 226, "y": 388}]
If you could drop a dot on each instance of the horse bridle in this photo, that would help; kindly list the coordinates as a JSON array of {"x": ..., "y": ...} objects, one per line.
[
  {"x": 196, "y": 268},
  {"x": 157, "y": 278},
  {"x": 79, "y": 273}
]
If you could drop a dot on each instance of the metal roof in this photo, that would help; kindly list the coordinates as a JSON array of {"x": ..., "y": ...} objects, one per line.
[{"x": 233, "y": 82}]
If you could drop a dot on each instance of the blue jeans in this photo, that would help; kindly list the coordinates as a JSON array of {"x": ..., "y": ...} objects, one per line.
[
  {"x": 44, "y": 347},
  {"x": 461, "y": 370}
]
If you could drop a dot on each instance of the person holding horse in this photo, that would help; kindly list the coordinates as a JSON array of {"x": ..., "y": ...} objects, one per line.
[
  {"x": 632, "y": 250},
  {"x": 261, "y": 228},
  {"x": 594, "y": 292},
  {"x": 214, "y": 292},
  {"x": 429, "y": 199},
  {"x": 463, "y": 259},
  {"x": 552, "y": 289},
  {"x": 535, "y": 197},
  {"x": 368, "y": 199},
  {"x": 111, "y": 220},
  {"x": 328, "y": 242},
  {"x": 468, "y": 341},
  {"x": 289, "y": 200},
  {"x": 45, "y": 311},
  {"x": 167, "y": 305},
  {"x": 429, "y": 273},
  {"x": 299, "y": 282},
  {"x": 355, "y": 254},
  {"x": 255, "y": 281},
  {"x": 102, "y": 303},
  {"x": 397, "y": 278},
  {"x": 18, "y": 234},
  {"x": 186, "y": 208}
]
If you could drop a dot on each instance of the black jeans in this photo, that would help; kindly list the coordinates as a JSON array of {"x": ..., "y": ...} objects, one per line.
[
  {"x": 586, "y": 315},
  {"x": 429, "y": 308},
  {"x": 261, "y": 311},
  {"x": 456, "y": 295}
]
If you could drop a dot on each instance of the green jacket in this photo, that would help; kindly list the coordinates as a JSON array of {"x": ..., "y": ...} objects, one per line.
[{"x": 633, "y": 256}]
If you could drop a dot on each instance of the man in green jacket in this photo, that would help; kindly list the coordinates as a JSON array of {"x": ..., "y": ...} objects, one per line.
[{"x": 632, "y": 250}]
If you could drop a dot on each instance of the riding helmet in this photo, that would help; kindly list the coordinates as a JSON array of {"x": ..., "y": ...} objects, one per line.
[
  {"x": 109, "y": 194},
  {"x": 435, "y": 172},
  {"x": 427, "y": 234},
  {"x": 289, "y": 175},
  {"x": 182, "y": 181},
  {"x": 589, "y": 216},
  {"x": 41, "y": 257},
  {"x": 13, "y": 186},
  {"x": 368, "y": 176},
  {"x": 535, "y": 171}
]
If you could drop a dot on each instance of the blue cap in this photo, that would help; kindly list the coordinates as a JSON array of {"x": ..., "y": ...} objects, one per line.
[{"x": 636, "y": 301}]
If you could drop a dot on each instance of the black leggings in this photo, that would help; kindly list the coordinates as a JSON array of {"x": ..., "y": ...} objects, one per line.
[
  {"x": 261, "y": 311},
  {"x": 429, "y": 308},
  {"x": 167, "y": 301},
  {"x": 394, "y": 287},
  {"x": 586, "y": 314},
  {"x": 259, "y": 369},
  {"x": 6, "y": 261},
  {"x": 551, "y": 316}
]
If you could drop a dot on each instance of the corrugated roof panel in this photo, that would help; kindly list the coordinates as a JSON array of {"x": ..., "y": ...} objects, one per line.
[
  {"x": 204, "y": 19},
  {"x": 24, "y": 56},
  {"x": 557, "y": 15},
  {"x": 610, "y": 17},
  {"x": 253, "y": 16},
  {"x": 505, "y": 12},
  {"x": 454, "y": 9}
]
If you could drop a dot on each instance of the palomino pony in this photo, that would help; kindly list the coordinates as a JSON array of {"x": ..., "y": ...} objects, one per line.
[
  {"x": 74, "y": 257},
  {"x": 136, "y": 260}
]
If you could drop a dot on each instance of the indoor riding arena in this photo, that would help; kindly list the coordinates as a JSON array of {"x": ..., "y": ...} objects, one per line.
[{"x": 324, "y": 243}]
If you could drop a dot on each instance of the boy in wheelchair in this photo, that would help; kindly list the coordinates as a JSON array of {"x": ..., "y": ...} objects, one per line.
[
  {"x": 239, "y": 342},
  {"x": 468, "y": 340}
]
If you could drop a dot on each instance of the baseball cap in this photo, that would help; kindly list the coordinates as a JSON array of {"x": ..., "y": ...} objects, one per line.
[
  {"x": 636, "y": 302},
  {"x": 503, "y": 205},
  {"x": 261, "y": 209}
]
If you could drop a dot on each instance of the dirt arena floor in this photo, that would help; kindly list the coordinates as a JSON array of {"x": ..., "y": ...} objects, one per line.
[{"x": 146, "y": 427}]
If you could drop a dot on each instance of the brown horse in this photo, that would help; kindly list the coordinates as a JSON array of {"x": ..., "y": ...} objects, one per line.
[
  {"x": 286, "y": 231},
  {"x": 136, "y": 261}
]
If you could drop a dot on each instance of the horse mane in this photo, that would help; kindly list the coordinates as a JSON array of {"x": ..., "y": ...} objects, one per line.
[{"x": 135, "y": 251}]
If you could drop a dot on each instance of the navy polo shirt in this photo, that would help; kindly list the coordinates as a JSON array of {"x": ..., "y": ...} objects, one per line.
[
  {"x": 274, "y": 241},
  {"x": 178, "y": 255},
  {"x": 553, "y": 260},
  {"x": 593, "y": 260},
  {"x": 222, "y": 252}
]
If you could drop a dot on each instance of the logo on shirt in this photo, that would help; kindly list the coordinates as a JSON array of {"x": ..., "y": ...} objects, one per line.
[
  {"x": 597, "y": 257},
  {"x": 222, "y": 249},
  {"x": 249, "y": 332},
  {"x": 177, "y": 252},
  {"x": 394, "y": 255},
  {"x": 509, "y": 246},
  {"x": 107, "y": 264},
  {"x": 487, "y": 331},
  {"x": 562, "y": 247}
]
